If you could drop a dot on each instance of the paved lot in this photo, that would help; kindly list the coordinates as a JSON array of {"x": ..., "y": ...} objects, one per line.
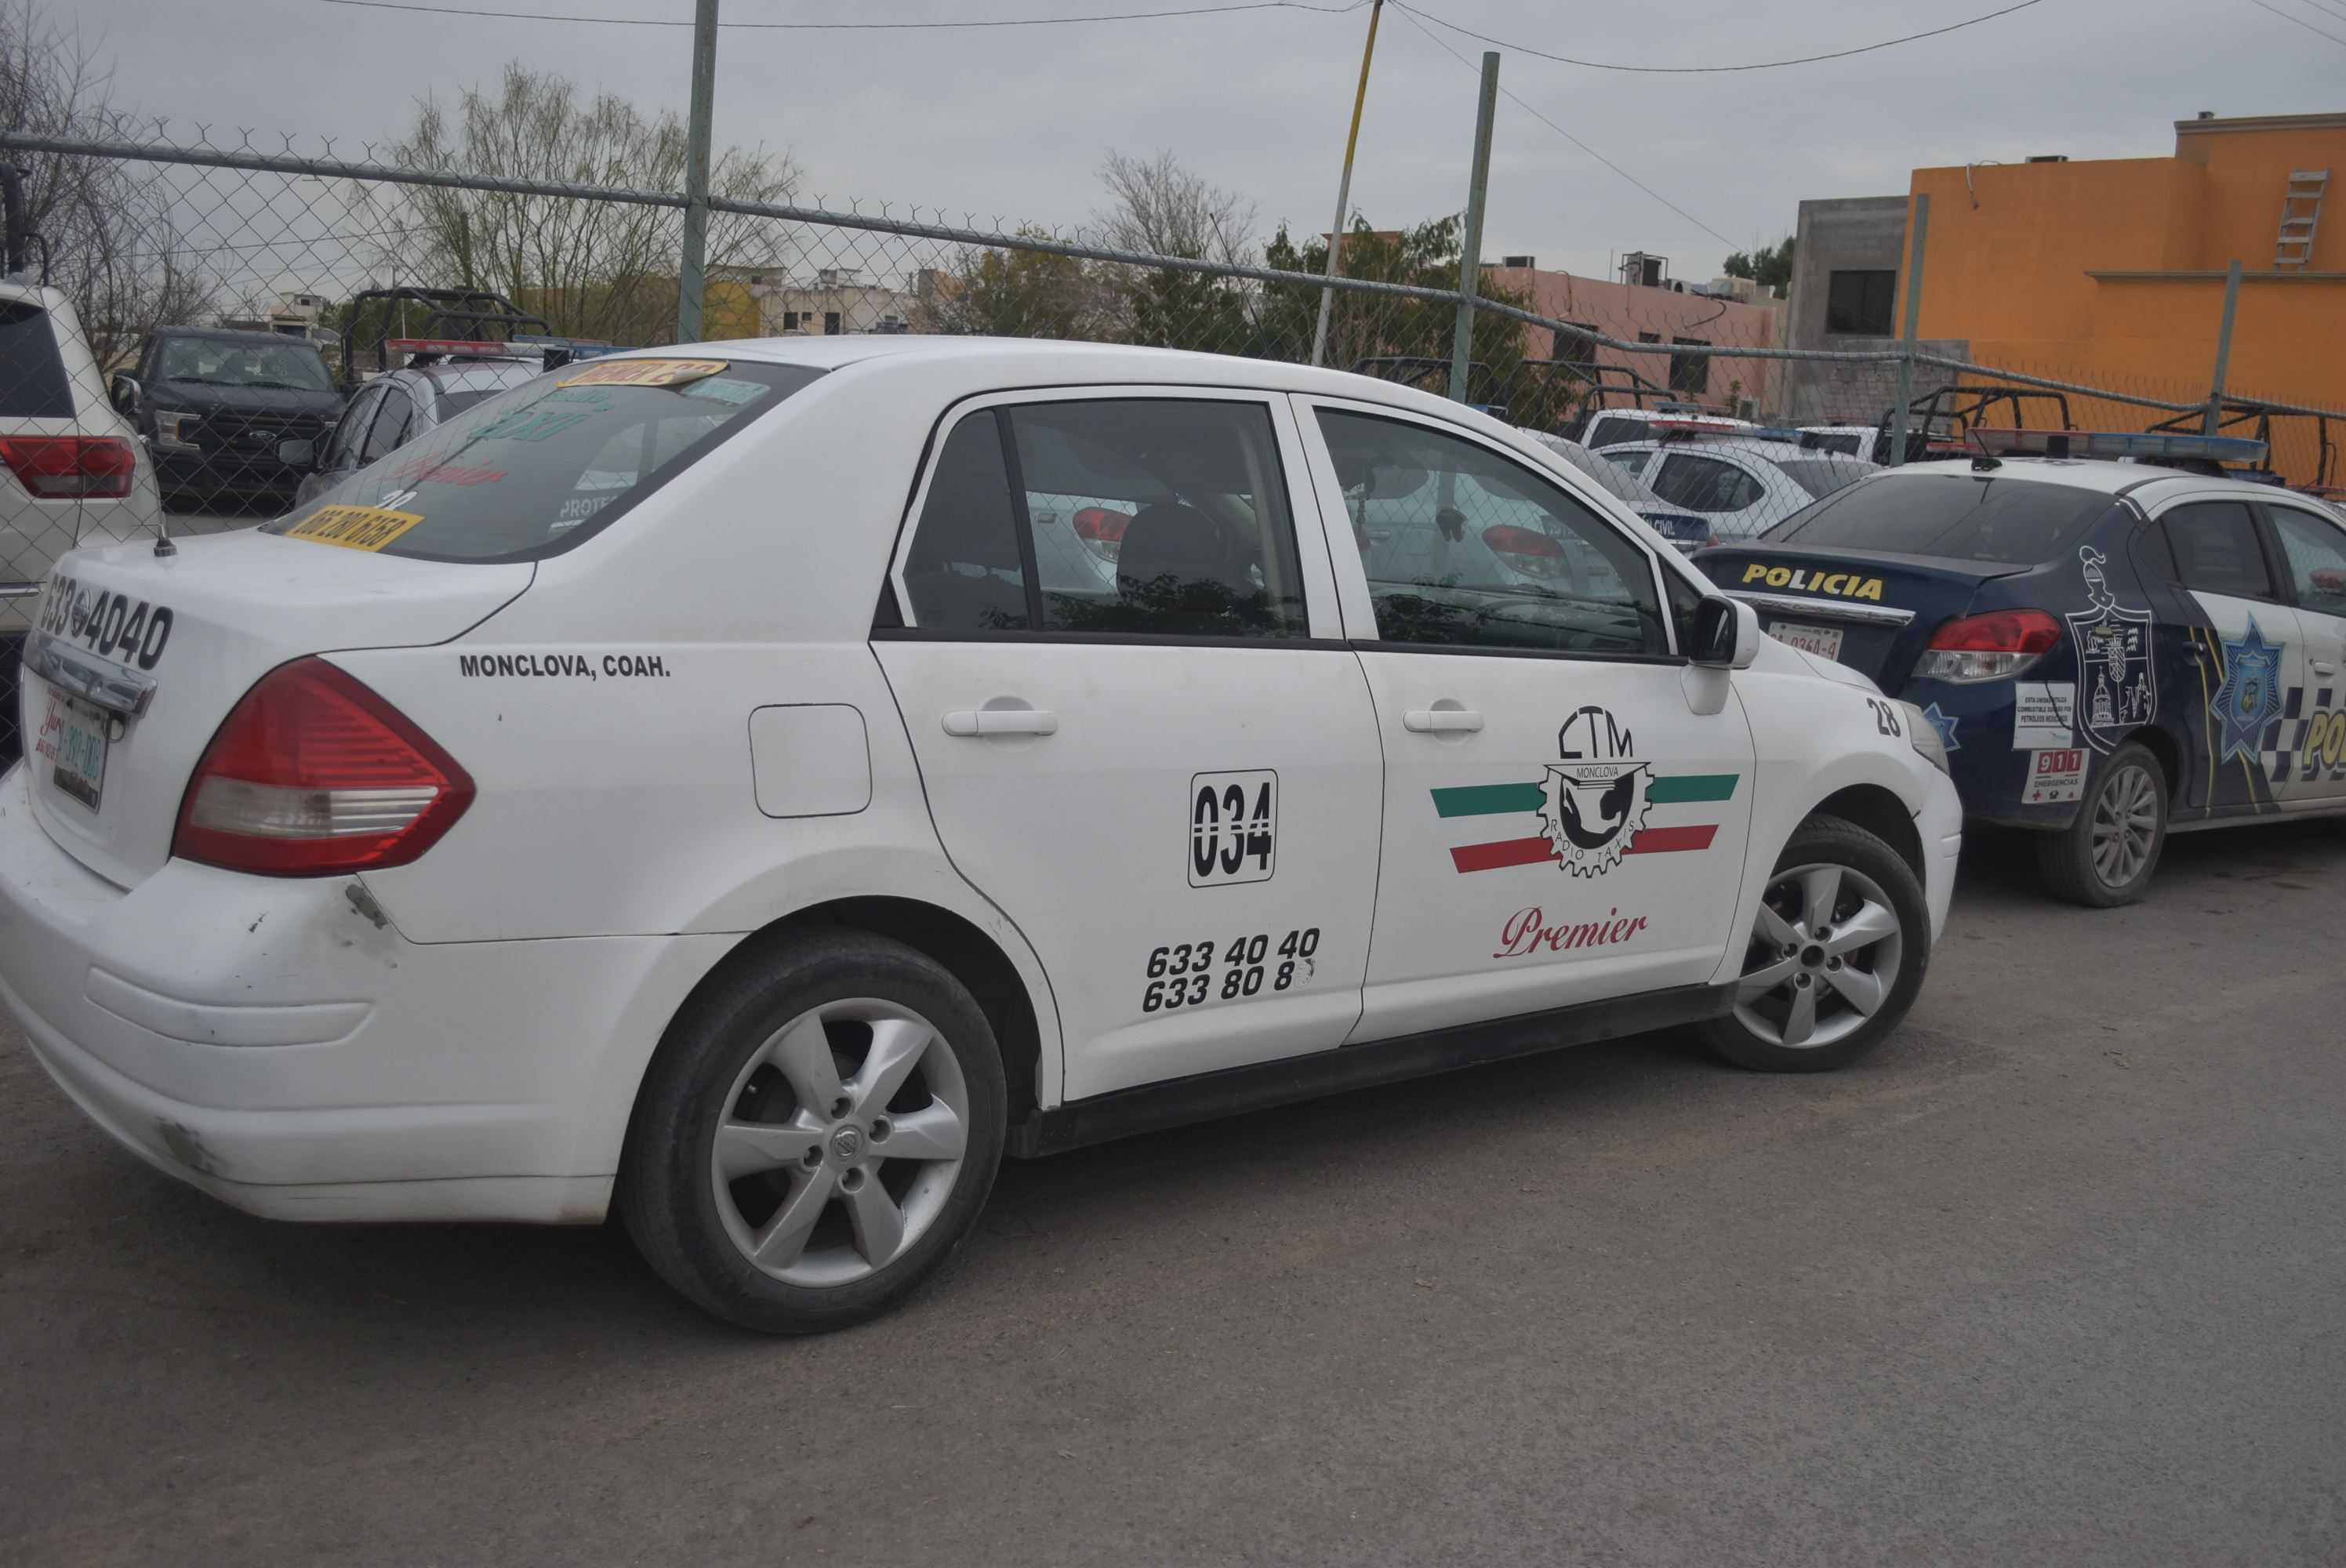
[{"x": 2058, "y": 1276}]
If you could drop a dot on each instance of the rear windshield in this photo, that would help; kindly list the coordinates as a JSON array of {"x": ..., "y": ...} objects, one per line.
[
  {"x": 1821, "y": 476},
  {"x": 2017, "y": 522},
  {"x": 31, "y": 372},
  {"x": 533, "y": 471}
]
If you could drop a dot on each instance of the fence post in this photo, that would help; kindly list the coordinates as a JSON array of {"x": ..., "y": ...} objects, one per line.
[
  {"x": 690, "y": 280},
  {"x": 1344, "y": 191},
  {"x": 1914, "y": 302},
  {"x": 2214, "y": 422},
  {"x": 1470, "y": 255}
]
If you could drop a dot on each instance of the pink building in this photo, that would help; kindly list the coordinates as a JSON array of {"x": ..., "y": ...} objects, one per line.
[{"x": 1662, "y": 316}]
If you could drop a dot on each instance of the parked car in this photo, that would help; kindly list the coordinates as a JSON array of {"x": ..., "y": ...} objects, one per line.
[
  {"x": 1689, "y": 531},
  {"x": 215, "y": 405},
  {"x": 2110, "y": 650},
  {"x": 763, "y": 850},
  {"x": 1601, "y": 428},
  {"x": 74, "y": 471},
  {"x": 438, "y": 382},
  {"x": 1742, "y": 487}
]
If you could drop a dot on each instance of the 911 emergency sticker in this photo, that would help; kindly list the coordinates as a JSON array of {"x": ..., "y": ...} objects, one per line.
[
  {"x": 1233, "y": 828},
  {"x": 1181, "y": 974},
  {"x": 2055, "y": 775},
  {"x": 368, "y": 528}
]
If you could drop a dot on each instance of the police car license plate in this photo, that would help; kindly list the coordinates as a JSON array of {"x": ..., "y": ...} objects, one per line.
[
  {"x": 73, "y": 739},
  {"x": 1822, "y": 641}
]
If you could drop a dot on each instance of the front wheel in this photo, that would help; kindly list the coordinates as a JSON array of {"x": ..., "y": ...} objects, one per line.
[
  {"x": 816, "y": 1135},
  {"x": 1835, "y": 955},
  {"x": 2105, "y": 857}
]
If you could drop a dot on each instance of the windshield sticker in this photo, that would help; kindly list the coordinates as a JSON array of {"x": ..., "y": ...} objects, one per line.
[
  {"x": 2248, "y": 698},
  {"x": 2044, "y": 714},
  {"x": 367, "y": 528},
  {"x": 2118, "y": 689},
  {"x": 643, "y": 373},
  {"x": 1841, "y": 584},
  {"x": 1593, "y": 806},
  {"x": 725, "y": 388},
  {"x": 533, "y": 423}
]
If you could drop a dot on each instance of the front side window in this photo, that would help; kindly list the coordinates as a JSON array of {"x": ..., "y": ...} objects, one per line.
[
  {"x": 342, "y": 451},
  {"x": 1705, "y": 485},
  {"x": 2216, "y": 549},
  {"x": 536, "y": 470},
  {"x": 1464, "y": 548},
  {"x": 2315, "y": 549}
]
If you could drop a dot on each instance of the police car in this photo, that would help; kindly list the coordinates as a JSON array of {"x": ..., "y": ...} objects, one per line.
[
  {"x": 1741, "y": 481},
  {"x": 2111, "y": 647},
  {"x": 671, "y": 787}
]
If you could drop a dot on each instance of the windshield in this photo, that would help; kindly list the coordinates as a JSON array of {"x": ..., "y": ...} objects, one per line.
[
  {"x": 533, "y": 471},
  {"x": 226, "y": 362},
  {"x": 1821, "y": 476},
  {"x": 2014, "y": 522}
]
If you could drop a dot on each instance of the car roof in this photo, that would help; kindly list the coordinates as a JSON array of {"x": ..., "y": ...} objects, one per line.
[
  {"x": 1777, "y": 451},
  {"x": 2111, "y": 478},
  {"x": 469, "y": 375}
]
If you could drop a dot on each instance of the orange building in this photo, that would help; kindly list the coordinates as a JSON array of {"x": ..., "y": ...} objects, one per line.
[{"x": 2111, "y": 271}]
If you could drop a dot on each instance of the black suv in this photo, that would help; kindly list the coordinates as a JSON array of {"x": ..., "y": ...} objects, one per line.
[{"x": 215, "y": 404}]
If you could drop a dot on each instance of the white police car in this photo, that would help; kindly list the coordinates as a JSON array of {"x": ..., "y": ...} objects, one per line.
[{"x": 671, "y": 785}]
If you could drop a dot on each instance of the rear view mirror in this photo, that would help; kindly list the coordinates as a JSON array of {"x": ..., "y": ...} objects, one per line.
[
  {"x": 300, "y": 452},
  {"x": 124, "y": 393},
  {"x": 1726, "y": 633}
]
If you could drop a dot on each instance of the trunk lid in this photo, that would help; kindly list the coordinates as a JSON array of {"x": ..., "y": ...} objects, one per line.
[
  {"x": 163, "y": 647},
  {"x": 1872, "y": 610}
]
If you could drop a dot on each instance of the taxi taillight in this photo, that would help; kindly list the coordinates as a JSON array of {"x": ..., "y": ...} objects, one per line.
[{"x": 313, "y": 774}]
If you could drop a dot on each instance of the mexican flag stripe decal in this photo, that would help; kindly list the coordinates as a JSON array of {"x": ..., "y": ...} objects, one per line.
[{"x": 1502, "y": 799}]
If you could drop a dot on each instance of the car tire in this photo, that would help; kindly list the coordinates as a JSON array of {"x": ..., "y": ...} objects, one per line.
[
  {"x": 2106, "y": 856},
  {"x": 789, "y": 1216},
  {"x": 1835, "y": 956}
]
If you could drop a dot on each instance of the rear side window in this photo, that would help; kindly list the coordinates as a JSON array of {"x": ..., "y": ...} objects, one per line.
[
  {"x": 1705, "y": 485},
  {"x": 535, "y": 471},
  {"x": 31, "y": 372},
  {"x": 1610, "y": 432},
  {"x": 2216, "y": 549},
  {"x": 963, "y": 572},
  {"x": 2015, "y": 522}
]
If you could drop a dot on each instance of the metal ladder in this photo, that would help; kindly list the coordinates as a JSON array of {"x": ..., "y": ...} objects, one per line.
[{"x": 2300, "y": 215}]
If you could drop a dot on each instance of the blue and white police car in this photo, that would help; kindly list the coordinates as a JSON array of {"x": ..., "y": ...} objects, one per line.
[{"x": 2114, "y": 639}]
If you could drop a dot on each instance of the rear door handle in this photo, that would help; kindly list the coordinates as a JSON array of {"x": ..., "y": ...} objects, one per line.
[
  {"x": 1440, "y": 720},
  {"x": 2323, "y": 667},
  {"x": 1003, "y": 721}
]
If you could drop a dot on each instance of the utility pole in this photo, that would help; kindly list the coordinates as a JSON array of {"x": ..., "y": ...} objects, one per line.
[
  {"x": 2214, "y": 422},
  {"x": 1344, "y": 191},
  {"x": 690, "y": 280},
  {"x": 1900, "y": 416},
  {"x": 1470, "y": 259}
]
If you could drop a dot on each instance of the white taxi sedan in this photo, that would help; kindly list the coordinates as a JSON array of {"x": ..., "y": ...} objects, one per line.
[{"x": 674, "y": 787}]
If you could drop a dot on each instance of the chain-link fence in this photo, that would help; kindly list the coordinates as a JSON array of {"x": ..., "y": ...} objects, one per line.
[{"x": 233, "y": 327}]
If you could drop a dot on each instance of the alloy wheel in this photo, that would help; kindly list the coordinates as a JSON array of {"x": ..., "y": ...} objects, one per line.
[
  {"x": 1824, "y": 957},
  {"x": 2126, "y": 825}
]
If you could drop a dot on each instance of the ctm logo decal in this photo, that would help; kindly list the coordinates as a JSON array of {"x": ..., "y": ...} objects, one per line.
[{"x": 1592, "y": 804}]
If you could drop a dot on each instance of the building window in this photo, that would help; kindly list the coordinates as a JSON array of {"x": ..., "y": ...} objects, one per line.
[
  {"x": 830, "y": 323},
  {"x": 1860, "y": 303},
  {"x": 1691, "y": 372},
  {"x": 790, "y": 320}
]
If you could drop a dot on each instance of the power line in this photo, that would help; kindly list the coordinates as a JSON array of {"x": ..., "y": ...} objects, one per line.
[
  {"x": 2326, "y": 5},
  {"x": 1517, "y": 100},
  {"x": 2285, "y": 16},
  {"x": 1709, "y": 70},
  {"x": 847, "y": 26}
]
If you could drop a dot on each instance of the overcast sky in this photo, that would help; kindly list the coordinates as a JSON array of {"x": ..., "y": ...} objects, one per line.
[{"x": 1012, "y": 122}]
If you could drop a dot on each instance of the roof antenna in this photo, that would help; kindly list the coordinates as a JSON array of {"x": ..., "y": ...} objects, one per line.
[{"x": 1982, "y": 462}]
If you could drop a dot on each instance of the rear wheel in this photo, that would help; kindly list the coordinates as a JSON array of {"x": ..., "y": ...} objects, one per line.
[
  {"x": 2106, "y": 856},
  {"x": 817, "y": 1134},
  {"x": 1835, "y": 956}
]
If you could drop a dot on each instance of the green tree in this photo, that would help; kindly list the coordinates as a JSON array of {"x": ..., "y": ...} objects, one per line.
[
  {"x": 1158, "y": 207},
  {"x": 1770, "y": 266},
  {"x": 1011, "y": 293}
]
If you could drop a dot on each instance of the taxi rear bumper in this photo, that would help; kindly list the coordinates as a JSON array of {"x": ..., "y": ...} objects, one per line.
[{"x": 281, "y": 1045}]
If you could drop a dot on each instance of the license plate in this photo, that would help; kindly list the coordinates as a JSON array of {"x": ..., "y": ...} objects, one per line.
[
  {"x": 73, "y": 742},
  {"x": 1822, "y": 641}
]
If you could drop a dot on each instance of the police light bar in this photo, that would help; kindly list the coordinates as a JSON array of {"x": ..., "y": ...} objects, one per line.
[
  {"x": 412, "y": 346},
  {"x": 2120, "y": 443},
  {"x": 1666, "y": 428}
]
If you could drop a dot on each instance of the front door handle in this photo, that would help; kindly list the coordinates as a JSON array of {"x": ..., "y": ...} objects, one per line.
[
  {"x": 1440, "y": 720},
  {"x": 1003, "y": 721}
]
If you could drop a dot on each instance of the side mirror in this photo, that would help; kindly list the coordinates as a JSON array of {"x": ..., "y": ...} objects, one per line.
[
  {"x": 301, "y": 454},
  {"x": 1726, "y": 633},
  {"x": 124, "y": 393}
]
